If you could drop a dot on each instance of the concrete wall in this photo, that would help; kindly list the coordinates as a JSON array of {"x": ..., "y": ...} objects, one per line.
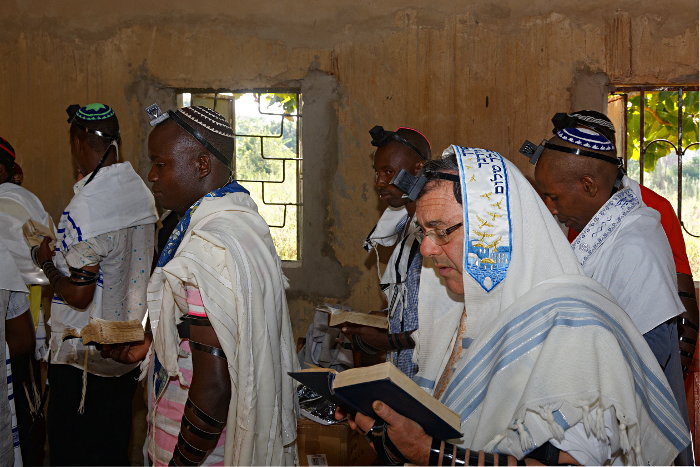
[{"x": 479, "y": 73}]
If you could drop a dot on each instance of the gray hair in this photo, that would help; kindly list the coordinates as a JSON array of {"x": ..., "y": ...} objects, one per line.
[{"x": 446, "y": 164}]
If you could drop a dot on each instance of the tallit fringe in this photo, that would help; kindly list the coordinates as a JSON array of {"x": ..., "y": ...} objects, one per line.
[
  {"x": 494, "y": 442},
  {"x": 556, "y": 429},
  {"x": 145, "y": 364},
  {"x": 526, "y": 442},
  {"x": 81, "y": 408}
]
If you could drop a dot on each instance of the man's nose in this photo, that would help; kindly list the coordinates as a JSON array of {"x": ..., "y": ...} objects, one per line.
[
  {"x": 152, "y": 177},
  {"x": 550, "y": 205},
  {"x": 429, "y": 248},
  {"x": 381, "y": 181}
]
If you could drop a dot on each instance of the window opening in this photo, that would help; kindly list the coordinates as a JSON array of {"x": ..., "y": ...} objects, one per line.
[
  {"x": 659, "y": 143},
  {"x": 268, "y": 160}
]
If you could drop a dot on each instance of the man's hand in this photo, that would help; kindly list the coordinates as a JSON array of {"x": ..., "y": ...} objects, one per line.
[
  {"x": 373, "y": 336},
  {"x": 132, "y": 352},
  {"x": 45, "y": 252}
]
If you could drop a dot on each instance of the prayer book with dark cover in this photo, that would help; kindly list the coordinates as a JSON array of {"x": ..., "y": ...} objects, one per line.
[
  {"x": 101, "y": 331},
  {"x": 355, "y": 390},
  {"x": 339, "y": 315}
]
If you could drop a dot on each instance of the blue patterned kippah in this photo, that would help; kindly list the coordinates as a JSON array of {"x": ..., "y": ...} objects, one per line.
[
  {"x": 586, "y": 138},
  {"x": 94, "y": 112}
]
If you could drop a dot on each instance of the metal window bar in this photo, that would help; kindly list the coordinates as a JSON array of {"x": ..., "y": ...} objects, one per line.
[
  {"x": 283, "y": 159},
  {"x": 679, "y": 149}
]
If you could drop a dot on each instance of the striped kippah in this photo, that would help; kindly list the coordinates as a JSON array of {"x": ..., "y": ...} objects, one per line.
[
  {"x": 95, "y": 112},
  {"x": 209, "y": 119}
]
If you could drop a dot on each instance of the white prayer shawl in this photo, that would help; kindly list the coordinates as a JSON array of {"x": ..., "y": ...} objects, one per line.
[
  {"x": 393, "y": 281},
  {"x": 117, "y": 198},
  {"x": 625, "y": 248},
  {"x": 17, "y": 206},
  {"x": 10, "y": 277},
  {"x": 511, "y": 386},
  {"x": 228, "y": 254}
]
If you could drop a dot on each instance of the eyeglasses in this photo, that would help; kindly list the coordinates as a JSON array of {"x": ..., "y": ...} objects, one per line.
[{"x": 438, "y": 236}]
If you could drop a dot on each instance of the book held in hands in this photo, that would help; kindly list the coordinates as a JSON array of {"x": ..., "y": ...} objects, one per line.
[
  {"x": 355, "y": 390},
  {"x": 101, "y": 331},
  {"x": 339, "y": 315}
]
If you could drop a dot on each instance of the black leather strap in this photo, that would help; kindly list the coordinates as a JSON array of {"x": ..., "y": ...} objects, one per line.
[
  {"x": 686, "y": 295},
  {"x": 199, "y": 433},
  {"x": 690, "y": 324},
  {"x": 181, "y": 458},
  {"x": 191, "y": 450},
  {"x": 546, "y": 454},
  {"x": 199, "y": 413},
  {"x": 391, "y": 448},
  {"x": 195, "y": 134},
  {"x": 208, "y": 349}
]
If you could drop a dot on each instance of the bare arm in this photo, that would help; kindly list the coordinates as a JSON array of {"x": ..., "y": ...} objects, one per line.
[{"x": 209, "y": 396}]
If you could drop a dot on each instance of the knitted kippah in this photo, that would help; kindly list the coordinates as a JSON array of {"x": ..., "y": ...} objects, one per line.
[
  {"x": 209, "y": 119},
  {"x": 7, "y": 154},
  {"x": 95, "y": 112}
]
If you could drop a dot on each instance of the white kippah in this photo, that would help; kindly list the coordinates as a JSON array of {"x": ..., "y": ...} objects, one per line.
[{"x": 209, "y": 119}]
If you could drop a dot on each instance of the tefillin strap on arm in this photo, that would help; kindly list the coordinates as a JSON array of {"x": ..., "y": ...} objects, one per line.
[
  {"x": 158, "y": 116},
  {"x": 81, "y": 277},
  {"x": 192, "y": 452},
  {"x": 183, "y": 330},
  {"x": 412, "y": 185}
]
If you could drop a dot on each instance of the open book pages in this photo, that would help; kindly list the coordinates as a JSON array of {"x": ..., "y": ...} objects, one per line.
[
  {"x": 101, "y": 331},
  {"x": 339, "y": 315}
]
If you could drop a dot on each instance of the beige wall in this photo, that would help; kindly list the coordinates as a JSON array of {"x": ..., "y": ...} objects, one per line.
[{"x": 427, "y": 64}]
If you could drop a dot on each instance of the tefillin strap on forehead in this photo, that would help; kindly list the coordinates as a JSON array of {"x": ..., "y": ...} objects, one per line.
[
  {"x": 563, "y": 122},
  {"x": 381, "y": 137},
  {"x": 73, "y": 112},
  {"x": 412, "y": 185},
  {"x": 157, "y": 116},
  {"x": 94, "y": 112}
]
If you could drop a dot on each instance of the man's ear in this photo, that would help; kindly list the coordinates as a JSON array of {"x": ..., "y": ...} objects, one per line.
[
  {"x": 4, "y": 175},
  {"x": 589, "y": 185},
  {"x": 203, "y": 162},
  {"x": 419, "y": 165}
]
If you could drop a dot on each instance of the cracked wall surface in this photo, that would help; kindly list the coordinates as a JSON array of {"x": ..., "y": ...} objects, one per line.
[{"x": 480, "y": 73}]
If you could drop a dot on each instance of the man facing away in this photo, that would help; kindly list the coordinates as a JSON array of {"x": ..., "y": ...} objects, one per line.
[
  {"x": 409, "y": 150},
  {"x": 222, "y": 337},
  {"x": 541, "y": 363},
  {"x": 102, "y": 263},
  {"x": 17, "y": 206},
  {"x": 621, "y": 242}
]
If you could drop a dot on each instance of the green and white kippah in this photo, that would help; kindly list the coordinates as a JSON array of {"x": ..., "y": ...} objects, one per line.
[{"x": 95, "y": 111}]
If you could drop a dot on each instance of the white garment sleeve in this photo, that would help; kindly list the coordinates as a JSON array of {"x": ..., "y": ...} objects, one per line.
[
  {"x": 18, "y": 304},
  {"x": 588, "y": 450},
  {"x": 91, "y": 251}
]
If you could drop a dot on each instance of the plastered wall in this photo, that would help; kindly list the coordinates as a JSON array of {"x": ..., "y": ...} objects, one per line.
[{"x": 486, "y": 74}]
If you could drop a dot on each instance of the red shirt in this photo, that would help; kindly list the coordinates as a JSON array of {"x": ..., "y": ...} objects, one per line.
[{"x": 670, "y": 224}]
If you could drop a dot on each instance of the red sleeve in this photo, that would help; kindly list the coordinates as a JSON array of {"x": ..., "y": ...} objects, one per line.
[{"x": 672, "y": 227}]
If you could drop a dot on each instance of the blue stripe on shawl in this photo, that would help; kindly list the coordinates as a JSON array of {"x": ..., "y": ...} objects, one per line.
[
  {"x": 469, "y": 386},
  {"x": 424, "y": 382}
]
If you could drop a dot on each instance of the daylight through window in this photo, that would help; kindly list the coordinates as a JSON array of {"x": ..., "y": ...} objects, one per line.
[
  {"x": 670, "y": 135},
  {"x": 268, "y": 158}
]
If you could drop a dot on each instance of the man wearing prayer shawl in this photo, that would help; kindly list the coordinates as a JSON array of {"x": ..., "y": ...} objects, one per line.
[
  {"x": 17, "y": 206},
  {"x": 621, "y": 243},
  {"x": 219, "y": 393},
  {"x": 102, "y": 260},
  {"x": 542, "y": 363},
  {"x": 403, "y": 149},
  {"x": 13, "y": 299}
]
